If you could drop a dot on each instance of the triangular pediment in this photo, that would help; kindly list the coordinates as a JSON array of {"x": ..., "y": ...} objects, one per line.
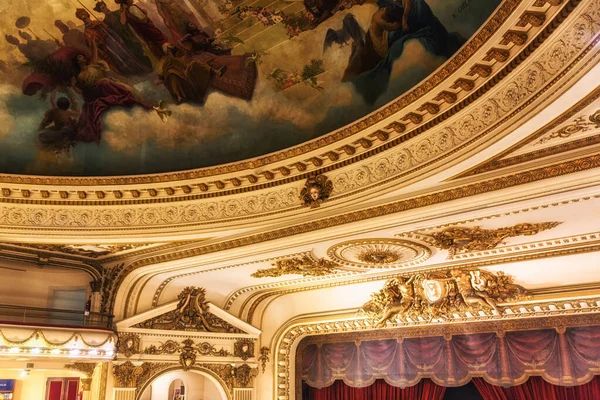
[{"x": 190, "y": 314}]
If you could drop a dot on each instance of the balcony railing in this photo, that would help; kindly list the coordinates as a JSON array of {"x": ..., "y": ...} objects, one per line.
[{"x": 54, "y": 317}]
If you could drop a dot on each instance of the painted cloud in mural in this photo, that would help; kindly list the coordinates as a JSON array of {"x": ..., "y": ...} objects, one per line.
[{"x": 128, "y": 87}]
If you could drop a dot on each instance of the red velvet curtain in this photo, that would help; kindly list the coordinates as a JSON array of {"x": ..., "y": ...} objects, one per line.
[
  {"x": 537, "y": 388},
  {"x": 379, "y": 390}
]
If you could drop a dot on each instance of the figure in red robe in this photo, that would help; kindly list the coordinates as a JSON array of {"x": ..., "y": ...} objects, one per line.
[
  {"x": 111, "y": 47},
  {"x": 138, "y": 19},
  {"x": 100, "y": 94}
]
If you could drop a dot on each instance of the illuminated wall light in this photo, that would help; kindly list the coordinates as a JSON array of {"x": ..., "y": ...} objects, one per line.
[
  {"x": 74, "y": 352},
  {"x": 36, "y": 350},
  {"x": 55, "y": 351},
  {"x": 14, "y": 349},
  {"x": 93, "y": 352},
  {"x": 110, "y": 353}
]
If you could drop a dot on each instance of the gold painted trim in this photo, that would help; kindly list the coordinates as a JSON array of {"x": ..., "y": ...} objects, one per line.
[
  {"x": 259, "y": 296},
  {"x": 498, "y": 161},
  {"x": 539, "y": 174}
]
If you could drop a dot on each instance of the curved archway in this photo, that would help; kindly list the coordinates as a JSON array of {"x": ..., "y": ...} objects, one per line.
[{"x": 206, "y": 373}]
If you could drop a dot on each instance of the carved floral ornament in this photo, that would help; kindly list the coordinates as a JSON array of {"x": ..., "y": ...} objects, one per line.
[
  {"x": 128, "y": 344},
  {"x": 192, "y": 313},
  {"x": 458, "y": 239},
  {"x": 302, "y": 265},
  {"x": 244, "y": 348},
  {"x": 129, "y": 375},
  {"x": 379, "y": 253},
  {"x": 316, "y": 190},
  {"x": 188, "y": 351},
  {"x": 442, "y": 295}
]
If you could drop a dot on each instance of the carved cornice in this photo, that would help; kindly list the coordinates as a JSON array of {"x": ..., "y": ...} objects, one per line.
[
  {"x": 234, "y": 206},
  {"x": 289, "y": 336},
  {"x": 474, "y": 125},
  {"x": 491, "y": 185},
  {"x": 504, "y": 159}
]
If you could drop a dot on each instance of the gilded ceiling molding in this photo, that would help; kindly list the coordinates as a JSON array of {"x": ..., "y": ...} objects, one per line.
[
  {"x": 251, "y": 303},
  {"x": 527, "y": 177},
  {"x": 288, "y": 338},
  {"x": 410, "y": 235},
  {"x": 441, "y": 296},
  {"x": 164, "y": 284},
  {"x": 379, "y": 253},
  {"x": 457, "y": 239},
  {"x": 305, "y": 266},
  {"x": 534, "y": 78},
  {"x": 573, "y": 115},
  {"x": 495, "y": 22},
  {"x": 88, "y": 251}
]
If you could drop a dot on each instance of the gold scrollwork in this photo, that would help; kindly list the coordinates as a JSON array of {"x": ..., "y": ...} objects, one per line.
[
  {"x": 440, "y": 295},
  {"x": 457, "y": 239},
  {"x": 192, "y": 313},
  {"x": 304, "y": 265}
]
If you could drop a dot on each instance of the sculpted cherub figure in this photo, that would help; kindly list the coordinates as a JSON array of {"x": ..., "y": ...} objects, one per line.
[
  {"x": 399, "y": 294},
  {"x": 472, "y": 287}
]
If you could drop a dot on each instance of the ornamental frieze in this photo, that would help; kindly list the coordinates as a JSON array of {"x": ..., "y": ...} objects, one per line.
[
  {"x": 538, "y": 72},
  {"x": 171, "y": 347}
]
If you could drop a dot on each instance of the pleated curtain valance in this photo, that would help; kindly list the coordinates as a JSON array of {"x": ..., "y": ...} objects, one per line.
[{"x": 565, "y": 357}]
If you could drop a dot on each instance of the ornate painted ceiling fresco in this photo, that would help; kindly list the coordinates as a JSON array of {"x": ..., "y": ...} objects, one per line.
[{"x": 124, "y": 87}]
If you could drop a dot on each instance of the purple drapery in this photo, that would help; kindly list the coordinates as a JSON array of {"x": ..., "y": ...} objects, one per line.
[{"x": 569, "y": 358}]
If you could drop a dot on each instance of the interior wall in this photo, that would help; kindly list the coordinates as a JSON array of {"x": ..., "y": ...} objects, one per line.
[
  {"x": 197, "y": 387},
  {"x": 28, "y": 285},
  {"x": 33, "y": 386}
]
